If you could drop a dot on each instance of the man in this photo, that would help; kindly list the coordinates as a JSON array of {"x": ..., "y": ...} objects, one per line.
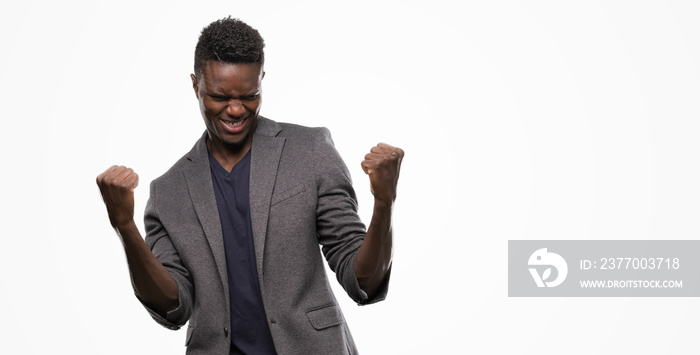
[{"x": 233, "y": 228}]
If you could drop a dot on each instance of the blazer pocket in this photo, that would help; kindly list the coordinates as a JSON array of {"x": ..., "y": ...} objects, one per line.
[
  {"x": 325, "y": 317},
  {"x": 287, "y": 194}
]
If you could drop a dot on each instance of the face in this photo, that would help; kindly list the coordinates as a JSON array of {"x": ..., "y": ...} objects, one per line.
[{"x": 229, "y": 98}]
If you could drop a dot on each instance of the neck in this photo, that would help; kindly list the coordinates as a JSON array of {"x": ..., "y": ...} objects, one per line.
[{"x": 228, "y": 155}]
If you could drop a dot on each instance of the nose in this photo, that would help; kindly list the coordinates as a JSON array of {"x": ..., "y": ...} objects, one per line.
[{"x": 235, "y": 108}]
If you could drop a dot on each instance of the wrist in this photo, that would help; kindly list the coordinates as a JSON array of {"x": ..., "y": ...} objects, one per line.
[
  {"x": 383, "y": 204},
  {"x": 125, "y": 226}
]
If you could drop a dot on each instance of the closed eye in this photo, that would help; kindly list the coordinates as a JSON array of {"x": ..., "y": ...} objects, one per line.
[
  {"x": 250, "y": 97},
  {"x": 226, "y": 98},
  {"x": 218, "y": 98}
]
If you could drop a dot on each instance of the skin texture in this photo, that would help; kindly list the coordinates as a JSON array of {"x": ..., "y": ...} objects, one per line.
[
  {"x": 152, "y": 282},
  {"x": 231, "y": 93},
  {"x": 382, "y": 164}
]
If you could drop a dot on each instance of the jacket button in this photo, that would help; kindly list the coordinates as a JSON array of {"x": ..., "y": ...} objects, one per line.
[{"x": 226, "y": 332}]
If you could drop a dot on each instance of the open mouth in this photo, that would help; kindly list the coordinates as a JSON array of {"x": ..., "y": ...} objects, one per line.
[{"x": 234, "y": 126}]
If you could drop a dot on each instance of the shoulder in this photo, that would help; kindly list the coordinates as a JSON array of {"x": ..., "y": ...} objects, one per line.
[
  {"x": 198, "y": 152},
  {"x": 295, "y": 132},
  {"x": 291, "y": 129},
  {"x": 312, "y": 146}
]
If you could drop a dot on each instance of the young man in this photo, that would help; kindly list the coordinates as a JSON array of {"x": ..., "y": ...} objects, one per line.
[{"x": 233, "y": 228}]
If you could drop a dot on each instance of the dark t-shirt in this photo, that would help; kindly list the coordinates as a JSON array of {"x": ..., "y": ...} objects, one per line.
[{"x": 249, "y": 330}]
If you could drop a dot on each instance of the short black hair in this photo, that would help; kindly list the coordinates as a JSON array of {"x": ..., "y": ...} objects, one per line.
[{"x": 228, "y": 40}]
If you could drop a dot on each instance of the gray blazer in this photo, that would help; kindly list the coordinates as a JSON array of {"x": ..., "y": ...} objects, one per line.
[{"x": 300, "y": 196}]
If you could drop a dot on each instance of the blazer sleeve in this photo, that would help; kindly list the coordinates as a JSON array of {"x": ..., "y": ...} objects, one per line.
[
  {"x": 339, "y": 228},
  {"x": 162, "y": 247}
]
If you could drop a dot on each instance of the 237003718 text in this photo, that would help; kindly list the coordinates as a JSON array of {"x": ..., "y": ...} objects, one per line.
[{"x": 631, "y": 264}]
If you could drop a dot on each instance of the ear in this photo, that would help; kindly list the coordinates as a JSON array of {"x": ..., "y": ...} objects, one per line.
[{"x": 195, "y": 85}]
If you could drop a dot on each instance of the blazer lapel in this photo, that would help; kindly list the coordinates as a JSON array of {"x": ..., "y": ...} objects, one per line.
[
  {"x": 199, "y": 184},
  {"x": 265, "y": 158}
]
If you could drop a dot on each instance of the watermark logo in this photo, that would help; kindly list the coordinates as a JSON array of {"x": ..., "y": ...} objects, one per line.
[
  {"x": 542, "y": 258},
  {"x": 603, "y": 268}
]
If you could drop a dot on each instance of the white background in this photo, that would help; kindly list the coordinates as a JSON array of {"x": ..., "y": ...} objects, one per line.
[{"x": 520, "y": 120}]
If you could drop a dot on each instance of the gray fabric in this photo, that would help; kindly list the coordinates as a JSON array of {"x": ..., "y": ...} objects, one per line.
[{"x": 300, "y": 196}]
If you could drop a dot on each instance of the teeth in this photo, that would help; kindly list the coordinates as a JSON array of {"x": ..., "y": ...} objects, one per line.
[{"x": 234, "y": 124}]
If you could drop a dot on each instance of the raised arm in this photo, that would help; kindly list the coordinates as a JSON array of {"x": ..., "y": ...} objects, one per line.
[
  {"x": 373, "y": 260},
  {"x": 153, "y": 284}
]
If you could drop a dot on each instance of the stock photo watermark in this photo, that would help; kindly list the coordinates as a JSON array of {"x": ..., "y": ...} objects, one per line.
[{"x": 603, "y": 268}]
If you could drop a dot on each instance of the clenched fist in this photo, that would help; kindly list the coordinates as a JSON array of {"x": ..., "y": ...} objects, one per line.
[
  {"x": 382, "y": 164},
  {"x": 117, "y": 186}
]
